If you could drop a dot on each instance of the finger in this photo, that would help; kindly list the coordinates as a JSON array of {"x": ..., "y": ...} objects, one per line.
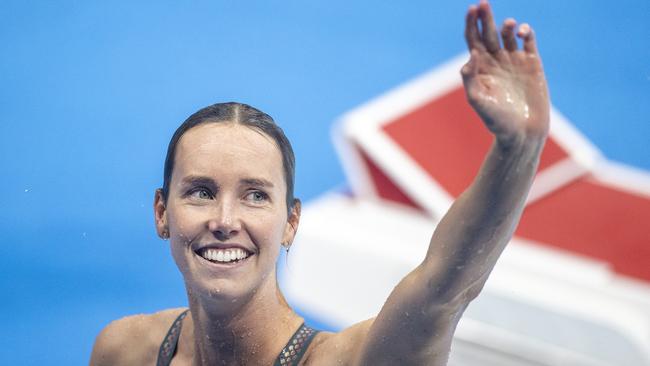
[
  {"x": 470, "y": 81},
  {"x": 488, "y": 28},
  {"x": 469, "y": 70},
  {"x": 472, "y": 36},
  {"x": 528, "y": 36},
  {"x": 508, "y": 34}
]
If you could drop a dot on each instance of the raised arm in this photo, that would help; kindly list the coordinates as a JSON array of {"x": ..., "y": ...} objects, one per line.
[
  {"x": 505, "y": 85},
  {"x": 507, "y": 88}
]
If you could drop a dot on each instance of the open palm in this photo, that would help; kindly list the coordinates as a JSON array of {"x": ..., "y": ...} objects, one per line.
[{"x": 505, "y": 84}]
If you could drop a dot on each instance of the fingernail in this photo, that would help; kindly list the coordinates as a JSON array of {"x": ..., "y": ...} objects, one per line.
[{"x": 524, "y": 29}]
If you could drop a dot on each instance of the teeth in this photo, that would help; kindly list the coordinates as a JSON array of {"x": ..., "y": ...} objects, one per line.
[{"x": 224, "y": 255}]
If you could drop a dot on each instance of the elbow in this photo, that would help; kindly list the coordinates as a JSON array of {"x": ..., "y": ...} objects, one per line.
[
  {"x": 466, "y": 296},
  {"x": 453, "y": 292}
]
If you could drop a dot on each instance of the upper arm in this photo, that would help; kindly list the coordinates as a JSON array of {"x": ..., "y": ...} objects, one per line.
[
  {"x": 412, "y": 326},
  {"x": 127, "y": 341},
  {"x": 410, "y": 329},
  {"x": 106, "y": 350}
]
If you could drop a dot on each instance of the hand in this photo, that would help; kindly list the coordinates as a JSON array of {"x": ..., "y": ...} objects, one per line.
[{"x": 505, "y": 85}]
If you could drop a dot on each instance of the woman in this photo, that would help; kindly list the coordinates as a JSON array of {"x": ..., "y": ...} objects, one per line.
[{"x": 227, "y": 208}]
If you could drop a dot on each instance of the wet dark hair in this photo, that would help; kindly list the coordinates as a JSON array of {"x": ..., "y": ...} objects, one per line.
[{"x": 242, "y": 114}]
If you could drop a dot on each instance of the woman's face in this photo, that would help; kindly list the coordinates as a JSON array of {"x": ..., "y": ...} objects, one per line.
[{"x": 226, "y": 201}]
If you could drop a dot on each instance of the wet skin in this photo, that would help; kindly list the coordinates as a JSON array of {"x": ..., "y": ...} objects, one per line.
[
  {"x": 227, "y": 191},
  {"x": 238, "y": 315}
]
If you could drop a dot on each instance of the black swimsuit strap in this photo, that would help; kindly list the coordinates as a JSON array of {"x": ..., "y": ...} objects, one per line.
[
  {"x": 168, "y": 346},
  {"x": 296, "y": 347},
  {"x": 290, "y": 355}
]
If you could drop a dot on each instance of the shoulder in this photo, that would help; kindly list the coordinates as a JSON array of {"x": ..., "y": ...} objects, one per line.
[
  {"x": 340, "y": 348},
  {"x": 133, "y": 340}
]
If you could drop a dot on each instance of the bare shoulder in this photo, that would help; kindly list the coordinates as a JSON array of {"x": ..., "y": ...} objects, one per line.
[
  {"x": 340, "y": 348},
  {"x": 133, "y": 340}
]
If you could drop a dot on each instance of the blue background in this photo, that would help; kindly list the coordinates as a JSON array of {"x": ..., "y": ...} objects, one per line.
[{"x": 90, "y": 93}]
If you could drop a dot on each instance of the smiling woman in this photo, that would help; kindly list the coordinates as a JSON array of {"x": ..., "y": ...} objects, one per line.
[{"x": 227, "y": 207}]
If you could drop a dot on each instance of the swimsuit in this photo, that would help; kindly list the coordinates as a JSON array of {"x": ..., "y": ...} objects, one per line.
[{"x": 289, "y": 356}]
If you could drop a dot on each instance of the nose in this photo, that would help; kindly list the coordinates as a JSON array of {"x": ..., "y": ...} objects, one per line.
[{"x": 224, "y": 222}]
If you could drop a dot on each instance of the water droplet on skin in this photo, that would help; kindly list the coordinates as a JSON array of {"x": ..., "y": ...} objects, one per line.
[{"x": 215, "y": 292}]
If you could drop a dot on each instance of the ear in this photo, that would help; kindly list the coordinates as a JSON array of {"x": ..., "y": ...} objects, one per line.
[
  {"x": 292, "y": 223},
  {"x": 160, "y": 214}
]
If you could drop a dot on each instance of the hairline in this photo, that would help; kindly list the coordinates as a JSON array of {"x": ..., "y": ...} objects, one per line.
[{"x": 275, "y": 133}]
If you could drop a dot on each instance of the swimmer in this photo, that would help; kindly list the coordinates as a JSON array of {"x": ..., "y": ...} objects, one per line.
[{"x": 227, "y": 209}]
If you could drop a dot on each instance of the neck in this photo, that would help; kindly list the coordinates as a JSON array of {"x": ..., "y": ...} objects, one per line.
[{"x": 241, "y": 332}]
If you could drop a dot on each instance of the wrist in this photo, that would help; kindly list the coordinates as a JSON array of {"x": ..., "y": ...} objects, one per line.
[{"x": 521, "y": 142}]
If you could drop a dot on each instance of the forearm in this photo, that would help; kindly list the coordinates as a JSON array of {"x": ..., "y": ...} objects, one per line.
[{"x": 470, "y": 238}]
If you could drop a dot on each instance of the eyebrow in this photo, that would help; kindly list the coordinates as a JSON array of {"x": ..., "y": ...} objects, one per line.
[
  {"x": 206, "y": 181},
  {"x": 198, "y": 180},
  {"x": 258, "y": 182}
]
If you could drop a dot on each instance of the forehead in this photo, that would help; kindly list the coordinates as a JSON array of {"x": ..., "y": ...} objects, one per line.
[{"x": 228, "y": 149}]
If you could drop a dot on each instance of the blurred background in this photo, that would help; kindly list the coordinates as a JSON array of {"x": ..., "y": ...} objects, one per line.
[{"x": 91, "y": 92}]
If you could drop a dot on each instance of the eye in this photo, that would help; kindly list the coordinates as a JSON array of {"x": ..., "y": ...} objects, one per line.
[
  {"x": 256, "y": 196},
  {"x": 201, "y": 193}
]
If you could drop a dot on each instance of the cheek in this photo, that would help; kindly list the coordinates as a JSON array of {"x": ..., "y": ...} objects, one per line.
[
  {"x": 185, "y": 223},
  {"x": 266, "y": 231},
  {"x": 178, "y": 253}
]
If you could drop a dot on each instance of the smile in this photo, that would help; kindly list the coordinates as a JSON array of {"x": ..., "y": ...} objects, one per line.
[{"x": 223, "y": 256}]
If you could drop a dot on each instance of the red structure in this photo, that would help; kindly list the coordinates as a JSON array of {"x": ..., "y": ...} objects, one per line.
[{"x": 435, "y": 143}]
